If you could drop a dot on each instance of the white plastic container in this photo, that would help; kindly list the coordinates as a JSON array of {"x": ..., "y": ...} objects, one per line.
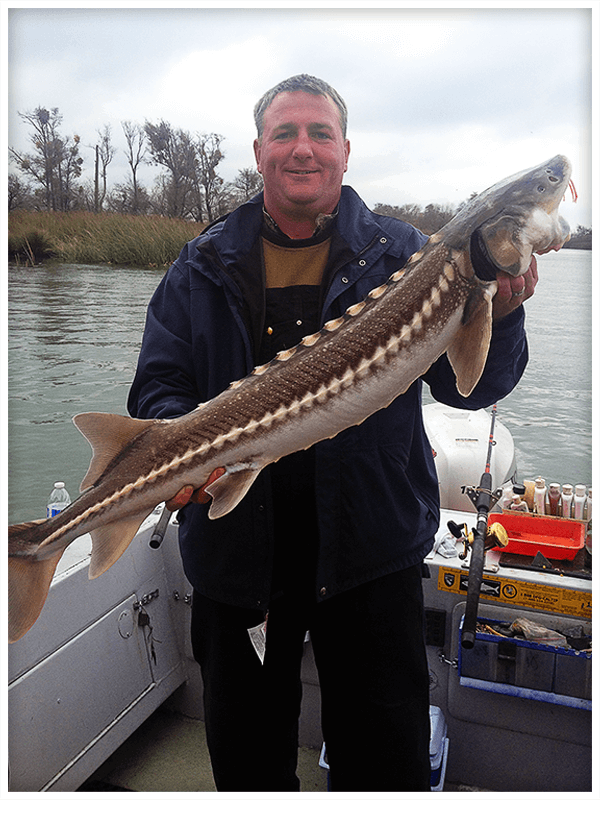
[
  {"x": 566, "y": 501},
  {"x": 579, "y": 502},
  {"x": 539, "y": 496},
  {"x": 588, "y": 506},
  {"x": 438, "y": 748}
]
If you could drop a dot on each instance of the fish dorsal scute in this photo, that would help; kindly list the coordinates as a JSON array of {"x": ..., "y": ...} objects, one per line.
[{"x": 107, "y": 435}]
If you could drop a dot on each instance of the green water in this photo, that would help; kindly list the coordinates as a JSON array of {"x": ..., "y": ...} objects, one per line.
[{"x": 74, "y": 333}]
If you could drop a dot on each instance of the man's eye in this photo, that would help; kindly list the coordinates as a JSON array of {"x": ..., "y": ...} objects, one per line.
[{"x": 322, "y": 135}]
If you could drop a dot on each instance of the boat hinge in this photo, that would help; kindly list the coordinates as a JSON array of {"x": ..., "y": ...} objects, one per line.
[
  {"x": 145, "y": 599},
  {"x": 453, "y": 662}
]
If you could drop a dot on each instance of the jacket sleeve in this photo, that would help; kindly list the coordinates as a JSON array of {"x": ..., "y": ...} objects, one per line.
[
  {"x": 164, "y": 384},
  {"x": 507, "y": 358}
]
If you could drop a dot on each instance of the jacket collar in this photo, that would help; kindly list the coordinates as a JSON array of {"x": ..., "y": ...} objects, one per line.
[{"x": 235, "y": 235}]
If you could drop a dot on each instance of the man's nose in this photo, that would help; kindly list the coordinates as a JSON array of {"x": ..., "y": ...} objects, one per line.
[{"x": 303, "y": 147}]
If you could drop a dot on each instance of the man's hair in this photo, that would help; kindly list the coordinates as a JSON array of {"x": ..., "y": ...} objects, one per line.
[{"x": 308, "y": 84}]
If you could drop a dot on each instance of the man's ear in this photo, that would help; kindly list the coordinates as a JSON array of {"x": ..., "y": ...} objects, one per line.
[
  {"x": 257, "y": 153},
  {"x": 347, "y": 151}
]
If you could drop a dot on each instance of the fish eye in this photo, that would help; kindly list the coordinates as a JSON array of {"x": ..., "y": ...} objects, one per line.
[{"x": 541, "y": 188}]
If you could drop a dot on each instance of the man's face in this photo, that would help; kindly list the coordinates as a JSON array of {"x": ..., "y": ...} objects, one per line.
[{"x": 302, "y": 155}]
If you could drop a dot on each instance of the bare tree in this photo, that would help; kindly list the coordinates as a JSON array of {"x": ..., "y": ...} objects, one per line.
[
  {"x": 104, "y": 154},
  {"x": 247, "y": 183},
  {"x": 19, "y": 193},
  {"x": 56, "y": 162},
  {"x": 174, "y": 150},
  {"x": 208, "y": 156},
  {"x": 136, "y": 152}
]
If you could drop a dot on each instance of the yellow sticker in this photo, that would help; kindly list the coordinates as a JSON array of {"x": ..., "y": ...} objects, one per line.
[{"x": 548, "y": 598}]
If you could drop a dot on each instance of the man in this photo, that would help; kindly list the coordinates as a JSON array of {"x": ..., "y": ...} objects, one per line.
[{"x": 331, "y": 539}]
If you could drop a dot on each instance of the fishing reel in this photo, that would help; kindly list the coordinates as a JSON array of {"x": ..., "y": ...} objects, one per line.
[{"x": 496, "y": 536}]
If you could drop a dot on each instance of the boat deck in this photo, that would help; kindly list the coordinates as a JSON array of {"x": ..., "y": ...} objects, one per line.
[{"x": 168, "y": 753}]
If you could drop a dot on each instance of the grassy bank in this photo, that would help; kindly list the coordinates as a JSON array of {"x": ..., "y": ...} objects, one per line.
[{"x": 90, "y": 239}]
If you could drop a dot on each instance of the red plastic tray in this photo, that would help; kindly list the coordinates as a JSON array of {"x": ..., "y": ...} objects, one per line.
[{"x": 554, "y": 537}]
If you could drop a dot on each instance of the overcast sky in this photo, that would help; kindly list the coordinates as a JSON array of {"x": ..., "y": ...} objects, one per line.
[{"x": 442, "y": 102}]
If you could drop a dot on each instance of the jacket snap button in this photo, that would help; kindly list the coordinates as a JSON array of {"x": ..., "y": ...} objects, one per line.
[
  {"x": 383, "y": 240},
  {"x": 362, "y": 262},
  {"x": 345, "y": 280},
  {"x": 323, "y": 591}
]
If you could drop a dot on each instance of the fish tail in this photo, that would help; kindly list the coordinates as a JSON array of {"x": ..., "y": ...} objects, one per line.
[{"x": 29, "y": 580}]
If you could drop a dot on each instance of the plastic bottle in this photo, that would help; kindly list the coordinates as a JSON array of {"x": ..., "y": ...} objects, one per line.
[
  {"x": 519, "y": 504},
  {"x": 553, "y": 499},
  {"x": 539, "y": 496},
  {"x": 588, "y": 506},
  {"x": 566, "y": 500},
  {"x": 529, "y": 491},
  {"x": 579, "y": 502},
  {"x": 58, "y": 500},
  {"x": 507, "y": 496}
]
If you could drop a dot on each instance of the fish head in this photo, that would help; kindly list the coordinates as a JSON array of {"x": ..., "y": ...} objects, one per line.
[{"x": 522, "y": 215}]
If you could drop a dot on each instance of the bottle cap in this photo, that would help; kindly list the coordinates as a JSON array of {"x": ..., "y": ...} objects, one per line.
[
  {"x": 518, "y": 488},
  {"x": 567, "y": 489},
  {"x": 540, "y": 482},
  {"x": 580, "y": 490},
  {"x": 60, "y": 484}
]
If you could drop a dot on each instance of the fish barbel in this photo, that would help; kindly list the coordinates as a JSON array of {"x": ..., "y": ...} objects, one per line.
[{"x": 334, "y": 379}]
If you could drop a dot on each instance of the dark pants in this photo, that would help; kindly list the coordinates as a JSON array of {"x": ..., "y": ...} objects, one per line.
[{"x": 370, "y": 655}]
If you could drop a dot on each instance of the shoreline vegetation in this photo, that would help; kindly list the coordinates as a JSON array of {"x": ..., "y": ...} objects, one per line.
[
  {"x": 86, "y": 238},
  {"x": 135, "y": 241}
]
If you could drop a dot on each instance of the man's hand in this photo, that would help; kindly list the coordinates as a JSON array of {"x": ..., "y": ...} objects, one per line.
[
  {"x": 513, "y": 291},
  {"x": 188, "y": 494}
]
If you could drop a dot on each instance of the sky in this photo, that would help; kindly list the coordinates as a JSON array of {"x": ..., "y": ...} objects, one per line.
[{"x": 442, "y": 101}]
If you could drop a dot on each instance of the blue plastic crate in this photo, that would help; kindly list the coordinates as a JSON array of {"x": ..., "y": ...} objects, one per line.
[{"x": 520, "y": 668}]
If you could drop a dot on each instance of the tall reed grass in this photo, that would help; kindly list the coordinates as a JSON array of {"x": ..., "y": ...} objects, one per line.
[{"x": 97, "y": 239}]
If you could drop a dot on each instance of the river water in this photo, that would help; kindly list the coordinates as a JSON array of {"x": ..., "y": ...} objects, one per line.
[{"x": 74, "y": 334}]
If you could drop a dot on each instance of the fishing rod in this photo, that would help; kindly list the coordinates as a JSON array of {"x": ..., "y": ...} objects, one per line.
[{"x": 483, "y": 498}]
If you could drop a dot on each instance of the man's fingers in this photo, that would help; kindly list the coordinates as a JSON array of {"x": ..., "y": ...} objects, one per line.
[{"x": 189, "y": 494}]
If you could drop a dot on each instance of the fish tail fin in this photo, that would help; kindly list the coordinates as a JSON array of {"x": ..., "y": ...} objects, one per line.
[{"x": 29, "y": 580}]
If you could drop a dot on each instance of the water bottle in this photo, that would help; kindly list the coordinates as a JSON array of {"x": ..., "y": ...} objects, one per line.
[{"x": 58, "y": 500}]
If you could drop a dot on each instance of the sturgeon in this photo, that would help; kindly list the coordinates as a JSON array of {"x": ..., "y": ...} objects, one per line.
[{"x": 335, "y": 378}]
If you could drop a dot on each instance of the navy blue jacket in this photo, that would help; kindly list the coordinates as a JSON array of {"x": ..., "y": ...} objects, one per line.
[{"x": 376, "y": 485}]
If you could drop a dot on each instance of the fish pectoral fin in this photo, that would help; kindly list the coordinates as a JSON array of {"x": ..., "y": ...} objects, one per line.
[
  {"x": 502, "y": 240},
  {"x": 469, "y": 349},
  {"x": 231, "y": 488},
  {"x": 107, "y": 435},
  {"x": 110, "y": 541},
  {"x": 29, "y": 580}
]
